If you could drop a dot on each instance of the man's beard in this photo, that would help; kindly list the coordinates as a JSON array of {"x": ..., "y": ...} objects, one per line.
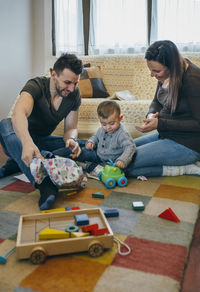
[{"x": 59, "y": 92}]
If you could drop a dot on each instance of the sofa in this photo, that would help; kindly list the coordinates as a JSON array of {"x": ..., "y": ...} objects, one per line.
[{"x": 118, "y": 73}]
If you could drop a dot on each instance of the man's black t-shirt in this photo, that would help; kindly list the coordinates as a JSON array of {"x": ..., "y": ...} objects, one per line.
[{"x": 44, "y": 118}]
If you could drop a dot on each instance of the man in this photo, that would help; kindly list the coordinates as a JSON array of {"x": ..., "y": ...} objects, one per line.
[{"x": 42, "y": 104}]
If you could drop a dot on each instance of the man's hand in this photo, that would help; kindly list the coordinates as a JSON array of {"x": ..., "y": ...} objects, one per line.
[
  {"x": 120, "y": 164},
  {"x": 89, "y": 145},
  {"x": 29, "y": 151},
  {"x": 74, "y": 147}
]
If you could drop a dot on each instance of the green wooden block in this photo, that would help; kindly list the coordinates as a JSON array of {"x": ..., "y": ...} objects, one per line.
[
  {"x": 138, "y": 206},
  {"x": 99, "y": 195}
]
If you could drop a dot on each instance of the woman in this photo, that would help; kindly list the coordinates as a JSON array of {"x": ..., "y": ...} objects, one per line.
[{"x": 174, "y": 113}]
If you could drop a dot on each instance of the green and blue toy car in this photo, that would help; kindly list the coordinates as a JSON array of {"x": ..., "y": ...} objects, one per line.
[{"x": 112, "y": 175}]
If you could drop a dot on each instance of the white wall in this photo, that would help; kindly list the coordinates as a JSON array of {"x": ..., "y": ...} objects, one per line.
[
  {"x": 42, "y": 58},
  {"x": 15, "y": 50},
  {"x": 25, "y": 46}
]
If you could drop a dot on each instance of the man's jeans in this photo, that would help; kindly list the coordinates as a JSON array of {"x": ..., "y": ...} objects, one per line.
[{"x": 13, "y": 148}]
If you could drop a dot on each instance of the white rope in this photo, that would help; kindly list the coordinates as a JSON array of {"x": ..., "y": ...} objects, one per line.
[{"x": 119, "y": 243}]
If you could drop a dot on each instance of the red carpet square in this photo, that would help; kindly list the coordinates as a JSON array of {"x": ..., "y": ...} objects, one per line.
[
  {"x": 19, "y": 186},
  {"x": 153, "y": 257}
]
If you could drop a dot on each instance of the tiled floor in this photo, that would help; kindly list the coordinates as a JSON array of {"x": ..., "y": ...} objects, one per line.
[{"x": 191, "y": 282}]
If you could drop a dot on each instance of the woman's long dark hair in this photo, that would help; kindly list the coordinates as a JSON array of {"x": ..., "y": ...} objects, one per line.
[{"x": 166, "y": 53}]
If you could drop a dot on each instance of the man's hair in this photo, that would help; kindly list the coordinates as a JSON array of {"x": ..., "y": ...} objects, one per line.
[
  {"x": 68, "y": 61},
  {"x": 106, "y": 108},
  {"x": 166, "y": 53}
]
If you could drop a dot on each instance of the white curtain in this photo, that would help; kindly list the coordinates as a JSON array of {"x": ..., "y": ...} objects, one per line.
[
  {"x": 69, "y": 27},
  {"x": 178, "y": 21},
  {"x": 120, "y": 26},
  {"x": 117, "y": 26}
]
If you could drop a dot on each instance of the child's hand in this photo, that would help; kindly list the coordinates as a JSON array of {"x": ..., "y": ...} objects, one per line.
[
  {"x": 89, "y": 145},
  {"x": 120, "y": 164}
]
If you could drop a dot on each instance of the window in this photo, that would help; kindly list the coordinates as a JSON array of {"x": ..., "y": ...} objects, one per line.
[
  {"x": 69, "y": 26},
  {"x": 125, "y": 26},
  {"x": 178, "y": 21},
  {"x": 117, "y": 26}
]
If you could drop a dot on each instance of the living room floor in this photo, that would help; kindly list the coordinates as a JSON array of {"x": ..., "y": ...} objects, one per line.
[{"x": 191, "y": 281}]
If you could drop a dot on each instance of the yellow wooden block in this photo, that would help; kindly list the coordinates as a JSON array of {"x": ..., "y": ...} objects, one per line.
[
  {"x": 71, "y": 194},
  {"x": 49, "y": 233},
  {"x": 54, "y": 210},
  {"x": 79, "y": 234}
]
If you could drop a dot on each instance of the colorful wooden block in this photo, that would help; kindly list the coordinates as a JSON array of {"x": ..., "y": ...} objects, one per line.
[
  {"x": 71, "y": 194},
  {"x": 54, "y": 210},
  {"x": 68, "y": 208},
  {"x": 90, "y": 227},
  {"x": 79, "y": 234},
  {"x": 81, "y": 219},
  {"x": 49, "y": 233},
  {"x": 169, "y": 215},
  {"x": 100, "y": 231},
  {"x": 111, "y": 213},
  {"x": 72, "y": 228},
  {"x": 99, "y": 195},
  {"x": 138, "y": 206},
  {"x": 75, "y": 208}
]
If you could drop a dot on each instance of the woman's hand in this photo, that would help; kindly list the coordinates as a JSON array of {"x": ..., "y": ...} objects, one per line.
[
  {"x": 151, "y": 115},
  {"x": 150, "y": 124}
]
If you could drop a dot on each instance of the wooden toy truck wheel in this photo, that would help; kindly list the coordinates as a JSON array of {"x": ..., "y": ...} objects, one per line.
[
  {"x": 95, "y": 249},
  {"x": 38, "y": 256}
]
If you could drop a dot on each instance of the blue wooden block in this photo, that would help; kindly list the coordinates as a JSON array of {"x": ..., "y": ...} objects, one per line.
[
  {"x": 81, "y": 219},
  {"x": 111, "y": 213},
  {"x": 68, "y": 208}
]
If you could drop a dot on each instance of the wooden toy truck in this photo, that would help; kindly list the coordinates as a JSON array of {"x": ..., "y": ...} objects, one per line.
[{"x": 29, "y": 246}]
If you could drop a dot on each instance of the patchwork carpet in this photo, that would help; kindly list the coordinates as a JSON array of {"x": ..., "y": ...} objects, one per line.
[{"x": 159, "y": 247}]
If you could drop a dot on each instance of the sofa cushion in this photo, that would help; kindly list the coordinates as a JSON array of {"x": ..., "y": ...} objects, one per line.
[{"x": 91, "y": 84}]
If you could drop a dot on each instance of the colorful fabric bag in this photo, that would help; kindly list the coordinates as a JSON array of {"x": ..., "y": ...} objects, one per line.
[{"x": 63, "y": 172}]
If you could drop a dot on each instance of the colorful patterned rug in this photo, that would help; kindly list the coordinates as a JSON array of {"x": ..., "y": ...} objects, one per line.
[{"x": 159, "y": 247}]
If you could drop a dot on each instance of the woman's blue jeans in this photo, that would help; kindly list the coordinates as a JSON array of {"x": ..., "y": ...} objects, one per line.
[{"x": 152, "y": 153}]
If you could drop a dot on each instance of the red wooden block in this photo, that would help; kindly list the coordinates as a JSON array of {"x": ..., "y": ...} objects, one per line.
[
  {"x": 90, "y": 227},
  {"x": 100, "y": 231},
  {"x": 169, "y": 215},
  {"x": 75, "y": 208}
]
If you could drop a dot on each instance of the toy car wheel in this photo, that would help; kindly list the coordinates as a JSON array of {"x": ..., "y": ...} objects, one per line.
[
  {"x": 99, "y": 175},
  {"x": 38, "y": 256},
  {"x": 122, "y": 181},
  {"x": 95, "y": 249},
  {"x": 110, "y": 183}
]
